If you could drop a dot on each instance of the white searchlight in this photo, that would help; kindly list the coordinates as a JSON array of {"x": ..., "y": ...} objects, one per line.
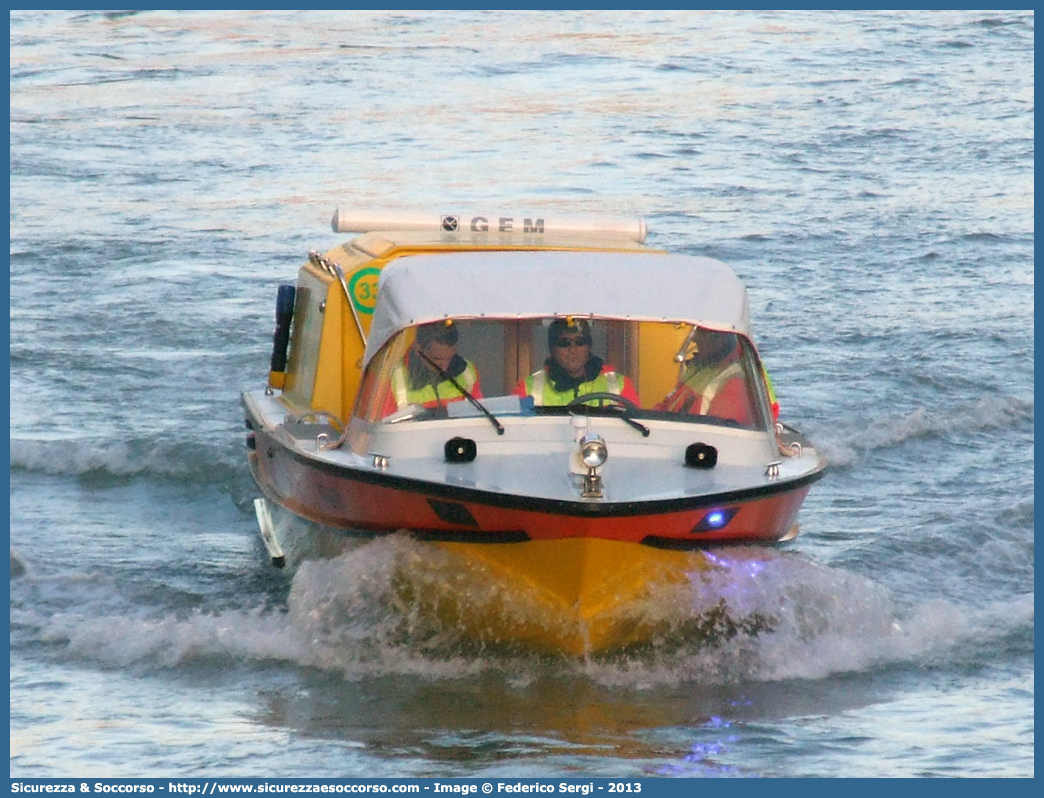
[{"x": 593, "y": 454}]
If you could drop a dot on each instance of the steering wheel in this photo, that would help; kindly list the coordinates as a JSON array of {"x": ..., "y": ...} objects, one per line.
[{"x": 615, "y": 398}]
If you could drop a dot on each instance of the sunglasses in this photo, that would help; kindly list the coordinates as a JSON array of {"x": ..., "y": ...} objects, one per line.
[{"x": 566, "y": 343}]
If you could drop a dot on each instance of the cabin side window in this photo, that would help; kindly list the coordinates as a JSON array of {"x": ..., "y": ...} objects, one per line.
[
  {"x": 759, "y": 393},
  {"x": 375, "y": 392},
  {"x": 305, "y": 336},
  {"x": 719, "y": 378}
]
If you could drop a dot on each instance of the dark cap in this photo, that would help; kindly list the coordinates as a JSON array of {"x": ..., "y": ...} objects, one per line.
[{"x": 570, "y": 325}]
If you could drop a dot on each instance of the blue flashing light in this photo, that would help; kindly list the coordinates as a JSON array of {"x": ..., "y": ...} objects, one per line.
[{"x": 715, "y": 520}]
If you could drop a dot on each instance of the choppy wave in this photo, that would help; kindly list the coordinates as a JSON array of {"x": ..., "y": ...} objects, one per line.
[
  {"x": 997, "y": 412},
  {"x": 345, "y": 615},
  {"x": 137, "y": 457}
]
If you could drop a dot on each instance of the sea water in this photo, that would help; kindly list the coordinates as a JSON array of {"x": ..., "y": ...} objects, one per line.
[{"x": 869, "y": 175}]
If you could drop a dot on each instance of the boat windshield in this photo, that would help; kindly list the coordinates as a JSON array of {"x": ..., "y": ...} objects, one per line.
[{"x": 471, "y": 367}]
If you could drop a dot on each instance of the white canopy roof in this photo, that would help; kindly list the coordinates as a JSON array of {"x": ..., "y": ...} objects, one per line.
[{"x": 640, "y": 286}]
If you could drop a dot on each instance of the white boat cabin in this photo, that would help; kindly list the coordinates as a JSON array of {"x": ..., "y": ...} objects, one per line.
[{"x": 670, "y": 334}]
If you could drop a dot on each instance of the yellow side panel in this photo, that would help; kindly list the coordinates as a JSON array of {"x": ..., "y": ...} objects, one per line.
[
  {"x": 339, "y": 369},
  {"x": 328, "y": 389},
  {"x": 657, "y": 371}
]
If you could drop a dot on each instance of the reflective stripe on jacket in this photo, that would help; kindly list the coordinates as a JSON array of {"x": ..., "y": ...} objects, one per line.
[
  {"x": 430, "y": 395},
  {"x": 696, "y": 393},
  {"x": 543, "y": 392},
  {"x": 773, "y": 401}
]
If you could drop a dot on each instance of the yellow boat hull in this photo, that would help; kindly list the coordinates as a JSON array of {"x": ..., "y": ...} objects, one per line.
[{"x": 577, "y": 596}]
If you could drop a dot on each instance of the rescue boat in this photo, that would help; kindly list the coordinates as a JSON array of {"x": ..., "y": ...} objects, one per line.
[{"x": 419, "y": 385}]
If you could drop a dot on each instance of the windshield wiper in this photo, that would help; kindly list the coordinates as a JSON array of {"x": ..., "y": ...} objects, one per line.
[{"x": 465, "y": 393}]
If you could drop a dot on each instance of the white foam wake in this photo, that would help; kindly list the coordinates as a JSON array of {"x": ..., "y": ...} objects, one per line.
[{"x": 782, "y": 617}]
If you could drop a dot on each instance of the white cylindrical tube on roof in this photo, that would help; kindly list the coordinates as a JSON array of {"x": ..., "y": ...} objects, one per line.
[{"x": 499, "y": 223}]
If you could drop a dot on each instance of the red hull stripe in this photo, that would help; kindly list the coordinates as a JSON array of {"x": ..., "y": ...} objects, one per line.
[{"x": 551, "y": 506}]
